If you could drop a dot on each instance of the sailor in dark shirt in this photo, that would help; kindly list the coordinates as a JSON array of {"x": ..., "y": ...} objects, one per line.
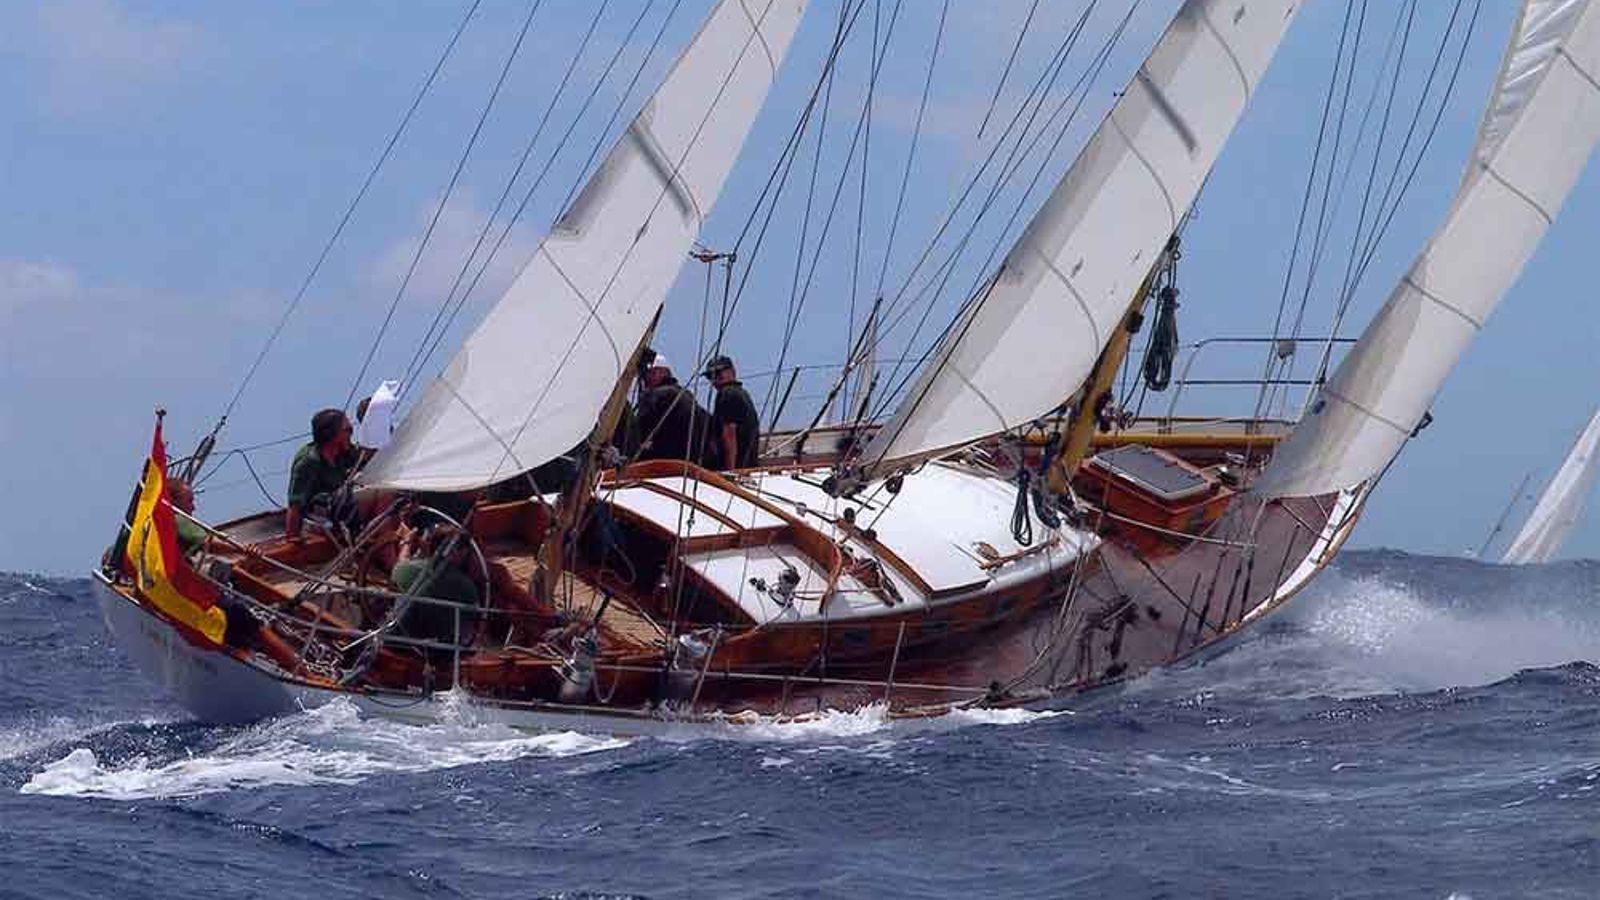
[
  {"x": 320, "y": 469},
  {"x": 735, "y": 424},
  {"x": 671, "y": 423}
]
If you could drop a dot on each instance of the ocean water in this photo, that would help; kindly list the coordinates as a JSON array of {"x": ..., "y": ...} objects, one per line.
[{"x": 1410, "y": 727}]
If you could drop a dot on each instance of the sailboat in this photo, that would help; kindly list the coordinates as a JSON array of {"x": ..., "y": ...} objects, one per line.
[
  {"x": 1007, "y": 534},
  {"x": 1560, "y": 505}
]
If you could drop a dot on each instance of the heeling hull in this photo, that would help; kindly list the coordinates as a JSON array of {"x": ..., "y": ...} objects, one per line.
[
  {"x": 1225, "y": 587},
  {"x": 219, "y": 687}
]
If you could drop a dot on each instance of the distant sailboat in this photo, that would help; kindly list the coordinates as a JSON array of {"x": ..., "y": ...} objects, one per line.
[{"x": 1561, "y": 504}]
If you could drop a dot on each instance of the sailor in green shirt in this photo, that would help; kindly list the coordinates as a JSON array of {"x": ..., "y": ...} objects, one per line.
[
  {"x": 191, "y": 537},
  {"x": 320, "y": 469},
  {"x": 449, "y": 581}
]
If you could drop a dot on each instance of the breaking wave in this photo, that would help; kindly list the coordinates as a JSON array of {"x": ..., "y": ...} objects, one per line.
[
  {"x": 1385, "y": 622},
  {"x": 332, "y": 744}
]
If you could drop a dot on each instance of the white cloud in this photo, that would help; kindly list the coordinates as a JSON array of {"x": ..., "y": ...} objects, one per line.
[
  {"x": 451, "y": 242},
  {"x": 99, "y": 56},
  {"x": 26, "y": 283}
]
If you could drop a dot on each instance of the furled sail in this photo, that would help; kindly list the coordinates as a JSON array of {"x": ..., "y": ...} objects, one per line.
[
  {"x": 1029, "y": 341},
  {"x": 528, "y": 383},
  {"x": 1558, "y": 509},
  {"x": 1542, "y": 121}
]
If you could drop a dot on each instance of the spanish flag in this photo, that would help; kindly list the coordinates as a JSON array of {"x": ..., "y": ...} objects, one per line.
[{"x": 162, "y": 575}]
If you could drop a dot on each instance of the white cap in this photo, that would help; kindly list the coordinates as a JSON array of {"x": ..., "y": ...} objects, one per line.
[{"x": 660, "y": 362}]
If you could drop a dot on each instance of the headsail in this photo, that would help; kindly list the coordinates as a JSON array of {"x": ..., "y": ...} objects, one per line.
[
  {"x": 1542, "y": 122},
  {"x": 1027, "y": 344},
  {"x": 1558, "y": 509},
  {"x": 527, "y": 384}
]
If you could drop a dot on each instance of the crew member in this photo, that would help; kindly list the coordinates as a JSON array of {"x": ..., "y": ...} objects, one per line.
[
  {"x": 318, "y": 476},
  {"x": 671, "y": 423},
  {"x": 431, "y": 567},
  {"x": 191, "y": 537},
  {"x": 735, "y": 424}
]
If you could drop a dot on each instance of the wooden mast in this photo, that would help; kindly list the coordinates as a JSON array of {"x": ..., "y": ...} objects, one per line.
[
  {"x": 1081, "y": 429},
  {"x": 577, "y": 495}
]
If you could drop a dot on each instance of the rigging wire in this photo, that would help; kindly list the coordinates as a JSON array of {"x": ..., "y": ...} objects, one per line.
[
  {"x": 1305, "y": 208},
  {"x": 444, "y": 200},
  {"x": 985, "y": 279},
  {"x": 876, "y": 55},
  {"x": 1010, "y": 61},
  {"x": 538, "y": 181},
  {"x": 1388, "y": 217},
  {"x": 366, "y": 184},
  {"x": 1370, "y": 226},
  {"x": 1284, "y": 358},
  {"x": 1033, "y": 101},
  {"x": 866, "y": 350},
  {"x": 594, "y": 306},
  {"x": 797, "y": 305},
  {"x": 1031, "y": 105},
  {"x": 1020, "y": 151},
  {"x": 805, "y": 225},
  {"x": 778, "y": 178},
  {"x": 424, "y": 346}
]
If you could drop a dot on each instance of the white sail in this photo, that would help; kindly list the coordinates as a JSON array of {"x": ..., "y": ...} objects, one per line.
[
  {"x": 1542, "y": 122},
  {"x": 528, "y": 383},
  {"x": 1029, "y": 342},
  {"x": 1558, "y": 509}
]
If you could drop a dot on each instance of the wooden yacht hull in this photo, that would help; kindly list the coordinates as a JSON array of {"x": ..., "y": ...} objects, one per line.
[{"x": 228, "y": 686}]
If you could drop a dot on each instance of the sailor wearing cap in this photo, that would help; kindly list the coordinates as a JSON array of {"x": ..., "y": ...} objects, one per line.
[
  {"x": 671, "y": 423},
  {"x": 735, "y": 424}
]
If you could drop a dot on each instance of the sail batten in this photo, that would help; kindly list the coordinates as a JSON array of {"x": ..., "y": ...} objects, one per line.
[
  {"x": 1539, "y": 129},
  {"x": 1028, "y": 341},
  {"x": 1556, "y": 513},
  {"x": 527, "y": 384}
]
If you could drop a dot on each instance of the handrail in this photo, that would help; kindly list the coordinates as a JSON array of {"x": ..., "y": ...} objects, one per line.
[{"x": 1183, "y": 380}]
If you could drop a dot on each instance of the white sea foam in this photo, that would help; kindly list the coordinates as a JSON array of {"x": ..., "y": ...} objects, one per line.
[
  {"x": 1381, "y": 629},
  {"x": 827, "y": 724},
  {"x": 977, "y": 716},
  {"x": 834, "y": 724},
  {"x": 329, "y": 745},
  {"x": 22, "y": 739}
]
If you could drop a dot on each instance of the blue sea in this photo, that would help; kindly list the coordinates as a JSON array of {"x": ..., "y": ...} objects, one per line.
[{"x": 1411, "y": 727}]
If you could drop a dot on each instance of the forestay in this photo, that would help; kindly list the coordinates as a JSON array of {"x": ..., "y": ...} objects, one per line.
[
  {"x": 1030, "y": 340},
  {"x": 528, "y": 383},
  {"x": 1541, "y": 124},
  {"x": 1558, "y": 509}
]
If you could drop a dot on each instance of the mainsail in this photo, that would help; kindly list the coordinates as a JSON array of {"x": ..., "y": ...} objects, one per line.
[
  {"x": 527, "y": 384},
  {"x": 1558, "y": 509},
  {"x": 1542, "y": 122},
  {"x": 1027, "y": 344}
]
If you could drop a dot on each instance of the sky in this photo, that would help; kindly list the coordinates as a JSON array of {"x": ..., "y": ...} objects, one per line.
[{"x": 171, "y": 170}]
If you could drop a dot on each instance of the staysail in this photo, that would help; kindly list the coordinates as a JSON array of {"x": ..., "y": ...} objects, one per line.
[
  {"x": 1027, "y": 344},
  {"x": 527, "y": 384},
  {"x": 1558, "y": 509},
  {"x": 1542, "y": 122}
]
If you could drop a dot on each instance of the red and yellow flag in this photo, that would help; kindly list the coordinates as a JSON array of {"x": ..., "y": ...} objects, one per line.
[{"x": 163, "y": 576}]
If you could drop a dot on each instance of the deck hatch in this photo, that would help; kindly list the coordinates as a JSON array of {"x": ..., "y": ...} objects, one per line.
[{"x": 1157, "y": 473}]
